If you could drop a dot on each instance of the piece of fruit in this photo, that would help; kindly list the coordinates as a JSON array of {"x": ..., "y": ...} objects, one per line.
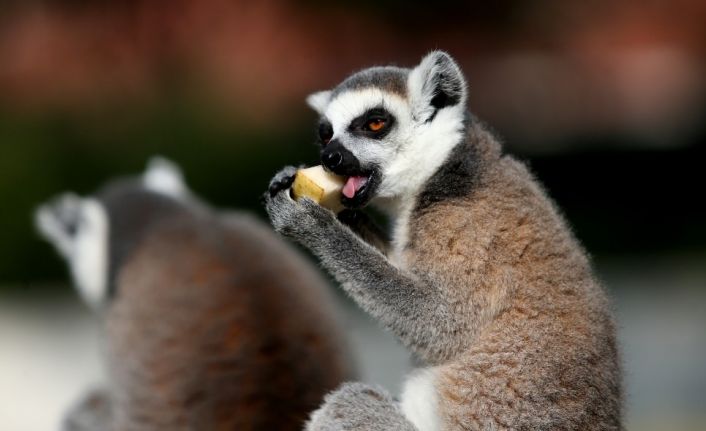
[{"x": 320, "y": 186}]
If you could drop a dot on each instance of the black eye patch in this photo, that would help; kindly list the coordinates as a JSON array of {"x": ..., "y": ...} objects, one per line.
[{"x": 360, "y": 125}]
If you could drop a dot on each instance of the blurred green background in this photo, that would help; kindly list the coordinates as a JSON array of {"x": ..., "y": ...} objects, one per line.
[{"x": 605, "y": 99}]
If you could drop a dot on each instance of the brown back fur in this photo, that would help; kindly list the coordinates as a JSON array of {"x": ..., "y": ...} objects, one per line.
[
  {"x": 219, "y": 325},
  {"x": 539, "y": 349}
]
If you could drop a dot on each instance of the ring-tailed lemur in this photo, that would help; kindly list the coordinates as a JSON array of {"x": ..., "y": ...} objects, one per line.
[
  {"x": 483, "y": 280},
  {"x": 211, "y": 321}
]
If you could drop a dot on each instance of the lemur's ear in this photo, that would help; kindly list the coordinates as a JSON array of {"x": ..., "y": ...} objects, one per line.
[
  {"x": 319, "y": 100},
  {"x": 164, "y": 176},
  {"x": 58, "y": 222},
  {"x": 78, "y": 229},
  {"x": 436, "y": 83}
]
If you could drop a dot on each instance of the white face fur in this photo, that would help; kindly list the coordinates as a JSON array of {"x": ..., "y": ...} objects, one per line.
[
  {"x": 79, "y": 229},
  {"x": 415, "y": 147}
]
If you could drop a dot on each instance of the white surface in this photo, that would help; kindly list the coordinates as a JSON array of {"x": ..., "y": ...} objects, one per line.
[{"x": 49, "y": 357}]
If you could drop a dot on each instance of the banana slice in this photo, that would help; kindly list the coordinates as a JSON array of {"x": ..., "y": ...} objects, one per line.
[{"x": 320, "y": 186}]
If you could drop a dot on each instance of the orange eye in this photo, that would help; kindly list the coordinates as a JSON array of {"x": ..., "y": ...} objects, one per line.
[{"x": 376, "y": 125}]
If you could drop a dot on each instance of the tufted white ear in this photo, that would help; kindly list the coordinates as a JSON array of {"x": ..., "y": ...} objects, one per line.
[
  {"x": 319, "y": 101},
  {"x": 78, "y": 229},
  {"x": 436, "y": 83},
  {"x": 57, "y": 222},
  {"x": 164, "y": 176}
]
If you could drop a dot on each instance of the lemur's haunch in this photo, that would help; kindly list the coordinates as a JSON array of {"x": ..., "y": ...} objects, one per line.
[
  {"x": 482, "y": 279},
  {"x": 211, "y": 321}
]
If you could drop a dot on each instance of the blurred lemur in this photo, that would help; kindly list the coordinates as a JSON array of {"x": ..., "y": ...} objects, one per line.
[
  {"x": 211, "y": 321},
  {"x": 482, "y": 278}
]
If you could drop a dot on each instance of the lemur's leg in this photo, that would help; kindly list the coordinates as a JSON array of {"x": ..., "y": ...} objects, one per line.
[
  {"x": 413, "y": 310},
  {"x": 357, "y": 406},
  {"x": 366, "y": 228}
]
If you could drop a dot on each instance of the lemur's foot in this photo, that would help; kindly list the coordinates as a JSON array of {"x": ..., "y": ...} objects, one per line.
[
  {"x": 357, "y": 406},
  {"x": 282, "y": 180}
]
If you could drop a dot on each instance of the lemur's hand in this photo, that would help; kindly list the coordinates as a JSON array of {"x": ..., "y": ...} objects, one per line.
[
  {"x": 357, "y": 406},
  {"x": 282, "y": 180},
  {"x": 303, "y": 220}
]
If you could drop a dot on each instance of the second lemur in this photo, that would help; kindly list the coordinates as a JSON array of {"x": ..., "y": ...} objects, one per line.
[
  {"x": 210, "y": 321},
  {"x": 482, "y": 278}
]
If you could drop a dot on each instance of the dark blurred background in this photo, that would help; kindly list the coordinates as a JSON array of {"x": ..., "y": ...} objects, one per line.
[{"x": 606, "y": 100}]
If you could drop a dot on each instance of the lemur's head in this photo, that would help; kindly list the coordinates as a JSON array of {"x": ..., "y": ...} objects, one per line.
[
  {"x": 387, "y": 129},
  {"x": 96, "y": 234}
]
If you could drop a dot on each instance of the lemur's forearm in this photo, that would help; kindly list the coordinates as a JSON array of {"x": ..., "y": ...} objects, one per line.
[{"x": 413, "y": 310}]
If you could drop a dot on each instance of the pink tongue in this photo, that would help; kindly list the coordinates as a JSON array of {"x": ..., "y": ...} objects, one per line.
[{"x": 353, "y": 184}]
